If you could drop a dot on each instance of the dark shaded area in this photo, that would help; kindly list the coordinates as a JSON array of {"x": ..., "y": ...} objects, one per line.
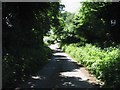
[
  {"x": 23, "y": 26},
  {"x": 50, "y": 77},
  {"x": 66, "y": 65},
  {"x": 71, "y": 39},
  {"x": 68, "y": 82}
]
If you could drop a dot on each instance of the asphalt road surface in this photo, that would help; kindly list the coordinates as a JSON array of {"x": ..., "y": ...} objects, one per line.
[{"x": 60, "y": 72}]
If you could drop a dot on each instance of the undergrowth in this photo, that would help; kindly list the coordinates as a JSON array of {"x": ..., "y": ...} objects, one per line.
[
  {"x": 17, "y": 68},
  {"x": 104, "y": 63}
]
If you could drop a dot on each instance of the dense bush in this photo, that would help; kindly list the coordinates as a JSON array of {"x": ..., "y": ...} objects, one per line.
[
  {"x": 19, "y": 67},
  {"x": 23, "y": 27},
  {"x": 104, "y": 63}
]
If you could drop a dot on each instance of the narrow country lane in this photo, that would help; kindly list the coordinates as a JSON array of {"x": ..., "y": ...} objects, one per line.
[{"x": 61, "y": 72}]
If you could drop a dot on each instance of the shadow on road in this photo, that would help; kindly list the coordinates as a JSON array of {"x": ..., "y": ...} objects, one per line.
[
  {"x": 68, "y": 74},
  {"x": 60, "y": 72}
]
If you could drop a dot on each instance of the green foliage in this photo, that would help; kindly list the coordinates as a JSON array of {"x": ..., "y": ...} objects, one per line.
[
  {"x": 89, "y": 23},
  {"x": 24, "y": 25},
  {"x": 92, "y": 22},
  {"x": 104, "y": 63},
  {"x": 27, "y": 62},
  {"x": 65, "y": 31}
]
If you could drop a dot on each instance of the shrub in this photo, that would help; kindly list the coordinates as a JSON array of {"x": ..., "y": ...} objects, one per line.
[
  {"x": 104, "y": 63},
  {"x": 17, "y": 68}
]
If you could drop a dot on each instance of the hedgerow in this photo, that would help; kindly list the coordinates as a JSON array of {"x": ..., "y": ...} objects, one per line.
[
  {"x": 104, "y": 63},
  {"x": 19, "y": 67}
]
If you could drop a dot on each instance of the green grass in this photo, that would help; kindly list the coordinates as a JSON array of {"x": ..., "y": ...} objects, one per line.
[{"x": 104, "y": 63}]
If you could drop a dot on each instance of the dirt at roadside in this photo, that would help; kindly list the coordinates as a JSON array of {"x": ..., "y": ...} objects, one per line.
[{"x": 91, "y": 78}]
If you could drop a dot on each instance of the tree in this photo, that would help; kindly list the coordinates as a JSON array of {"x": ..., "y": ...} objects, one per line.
[{"x": 24, "y": 25}]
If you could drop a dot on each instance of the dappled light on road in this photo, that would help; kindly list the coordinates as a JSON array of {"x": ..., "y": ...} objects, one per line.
[
  {"x": 61, "y": 72},
  {"x": 75, "y": 73}
]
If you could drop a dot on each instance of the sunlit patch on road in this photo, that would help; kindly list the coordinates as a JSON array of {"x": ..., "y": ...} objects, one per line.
[
  {"x": 36, "y": 77},
  {"x": 75, "y": 73},
  {"x": 54, "y": 46}
]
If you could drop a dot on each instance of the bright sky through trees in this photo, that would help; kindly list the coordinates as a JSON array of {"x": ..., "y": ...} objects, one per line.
[{"x": 71, "y": 6}]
